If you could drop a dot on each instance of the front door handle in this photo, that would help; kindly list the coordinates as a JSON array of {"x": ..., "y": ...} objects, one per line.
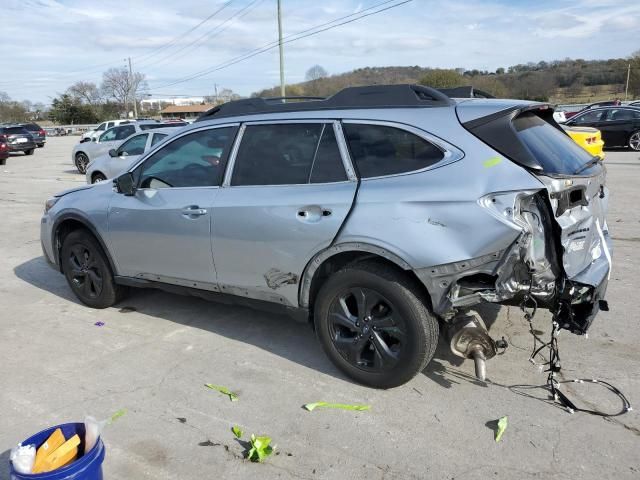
[{"x": 193, "y": 211}]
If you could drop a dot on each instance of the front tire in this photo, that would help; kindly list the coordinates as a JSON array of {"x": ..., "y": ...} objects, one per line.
[
  {"x": 87, "y": 270},
  {"x": 81, "y": 162},
  {"x": 374, "y": 325},
  {"x": 28, "y": 152},
  {"x": 98, "y": 177},
  {"x": 634, "y": 141}
]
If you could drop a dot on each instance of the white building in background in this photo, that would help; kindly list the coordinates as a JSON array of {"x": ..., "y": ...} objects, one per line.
[{"x": 159, "y": 103}]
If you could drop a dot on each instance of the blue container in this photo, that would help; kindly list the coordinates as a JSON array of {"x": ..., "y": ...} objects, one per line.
[{"x": 85, "y": 467}]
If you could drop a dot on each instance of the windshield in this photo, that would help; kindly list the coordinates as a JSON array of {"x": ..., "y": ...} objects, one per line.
[{"x": 555, "y": 151}]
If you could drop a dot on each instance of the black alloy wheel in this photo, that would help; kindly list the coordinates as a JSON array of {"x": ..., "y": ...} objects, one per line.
[
  {"x": 87, "y": 270},
  {"x": 374, "y": 324},
  {"x": 367, "y": 329}
]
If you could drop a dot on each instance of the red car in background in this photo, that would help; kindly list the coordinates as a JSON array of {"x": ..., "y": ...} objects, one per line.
[{"x": 4, "y": 150}]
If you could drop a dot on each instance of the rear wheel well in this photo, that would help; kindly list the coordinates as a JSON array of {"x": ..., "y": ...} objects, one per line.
[{"x": 347, "y": 259}]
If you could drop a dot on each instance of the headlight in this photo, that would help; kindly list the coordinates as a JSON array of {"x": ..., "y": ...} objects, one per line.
[{"x": 48, "y": 205}]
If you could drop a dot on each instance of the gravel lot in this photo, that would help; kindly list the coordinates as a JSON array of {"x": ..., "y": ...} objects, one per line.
[{"x": 156, "y": 351}]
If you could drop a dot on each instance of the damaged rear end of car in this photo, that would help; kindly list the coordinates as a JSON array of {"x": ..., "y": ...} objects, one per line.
[{"x": 561, "y": 256}]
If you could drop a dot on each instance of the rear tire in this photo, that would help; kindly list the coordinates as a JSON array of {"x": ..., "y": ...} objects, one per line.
[
  {"x": 29, "y": 152},
  {"x": 87, "y": 270},
  {"x": 81, "y": 162},
  {"x": 3, "y": 161},
  {"x": 634, "y": 141},
  {"x": 373, "y": 324}
]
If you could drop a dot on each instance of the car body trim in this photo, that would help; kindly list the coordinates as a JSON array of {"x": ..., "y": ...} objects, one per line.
[{"x": 314, "y": 264}]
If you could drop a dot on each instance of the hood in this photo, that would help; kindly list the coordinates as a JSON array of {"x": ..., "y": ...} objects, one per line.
[{"x": 71, "y": 190}]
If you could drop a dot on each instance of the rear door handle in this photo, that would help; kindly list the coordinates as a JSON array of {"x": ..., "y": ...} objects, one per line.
[{"x": 193, "y": 211}]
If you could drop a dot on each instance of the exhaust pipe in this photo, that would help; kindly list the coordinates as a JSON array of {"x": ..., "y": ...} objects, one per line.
[{"x": 470, "y": 339}]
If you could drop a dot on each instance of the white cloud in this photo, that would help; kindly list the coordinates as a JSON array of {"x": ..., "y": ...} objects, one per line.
[{"x": 70, "y": 40}]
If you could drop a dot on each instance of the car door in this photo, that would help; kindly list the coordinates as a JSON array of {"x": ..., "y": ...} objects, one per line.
[
  {"x": 163, "y": 231},
  {"x": 285, "y": 196},
  {"x": 617, "y": 125},
  {"x": 127, "y": 154}
]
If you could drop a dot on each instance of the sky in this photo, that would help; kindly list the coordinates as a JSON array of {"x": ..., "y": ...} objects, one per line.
[{"x": 47, "y": 45}]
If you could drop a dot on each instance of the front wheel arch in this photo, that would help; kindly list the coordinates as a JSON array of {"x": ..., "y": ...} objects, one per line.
[{"x": 72, "y": 222}]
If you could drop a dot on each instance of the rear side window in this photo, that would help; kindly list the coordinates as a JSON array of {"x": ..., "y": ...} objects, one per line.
[
  {"x": 288, "y": 154},
  {"x": 16, "y": 131},
  {"x": 622, "y": 114},
  {"x": 553, "y": 150},
  {"x": 378, "y": 150}
]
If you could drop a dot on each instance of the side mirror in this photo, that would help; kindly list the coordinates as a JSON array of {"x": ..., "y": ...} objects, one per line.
[
  {"x": 125, "y": 184},
  {"x": 113, "y": 152}
]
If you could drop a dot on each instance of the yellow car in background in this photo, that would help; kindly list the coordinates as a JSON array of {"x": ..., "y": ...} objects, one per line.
[{"x": 588, "y": 138}]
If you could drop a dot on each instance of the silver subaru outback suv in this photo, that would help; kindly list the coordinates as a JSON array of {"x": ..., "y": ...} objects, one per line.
[{"x": 381, "y": 215}]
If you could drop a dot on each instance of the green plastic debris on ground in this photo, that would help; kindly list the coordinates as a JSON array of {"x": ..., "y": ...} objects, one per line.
[
  {"x": 260, "y": 448},
  {"x": 492, "y": 162},
  {"x": 224, "y": 390},
  {"x": 117, "y": 415},
  {"x": 236, "y": 431},
  {"x": 312, "y": 406},
  {"x": 502, "y": 426}
]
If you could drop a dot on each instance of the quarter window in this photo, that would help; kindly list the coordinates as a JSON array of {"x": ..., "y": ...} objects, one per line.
[
  {"x": 194, "y": 160},
  {"x": 288, "y": 154},
  {"x": 134, "y": 146},
  {"x": 378, "y": 150},
  {"x": 157, "y": 137}
]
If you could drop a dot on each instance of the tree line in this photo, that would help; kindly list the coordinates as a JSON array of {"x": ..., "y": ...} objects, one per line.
[{"x": 531, "y": 81}]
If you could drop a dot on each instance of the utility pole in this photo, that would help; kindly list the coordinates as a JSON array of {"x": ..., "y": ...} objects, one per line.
[
  {"x": 626, "y": 88},
  {"x": 135, "y": 107},
  {"x": 282, "y": 92}
]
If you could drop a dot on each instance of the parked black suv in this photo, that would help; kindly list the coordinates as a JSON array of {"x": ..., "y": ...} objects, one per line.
[
  {"x": 37, "y": 132},
  {"x": 18, "y": 139}
]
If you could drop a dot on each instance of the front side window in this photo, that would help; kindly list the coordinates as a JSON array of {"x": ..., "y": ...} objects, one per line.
[
  {"x": 157, "y": 137},
  {"x": 109, "y": 135},
  {"x": 133, "y": 146},
  {"x": 194, "y": 160},
  {"x": 101, "y": 127},
  {"x": 378, "y": 150},
  {"x": 110, "y": 124},
  {"x": 288, "y": 154},
  {"x": 589, "y": 117}
]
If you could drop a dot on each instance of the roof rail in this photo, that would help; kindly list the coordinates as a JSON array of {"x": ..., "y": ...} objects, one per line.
[
  {"x": 465, "y": 92},
  {"x": 375, "y": 96}
]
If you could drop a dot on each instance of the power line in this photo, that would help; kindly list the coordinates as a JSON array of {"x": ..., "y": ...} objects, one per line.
[
  {"x": 97, "y": 68},
  {"x": 298, "y": 36},
  {"x": 214, "y": 32},
  {"x": 179, "y": 37}
]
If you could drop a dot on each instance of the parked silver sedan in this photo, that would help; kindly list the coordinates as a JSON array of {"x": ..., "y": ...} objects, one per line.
[
  {"x": 89, "y": 149},
  {"x": 118, "y": 160}
]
